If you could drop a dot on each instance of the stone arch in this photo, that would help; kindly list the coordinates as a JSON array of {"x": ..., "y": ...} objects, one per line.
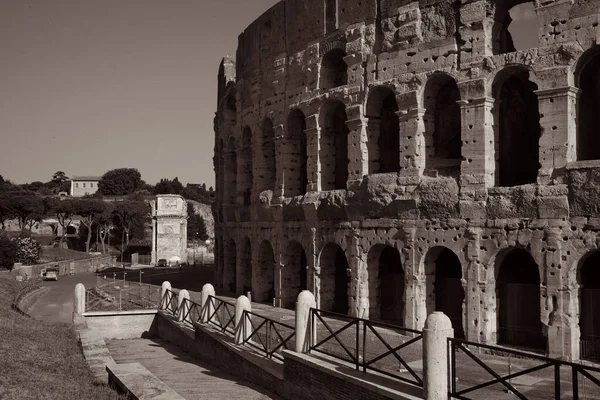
[
  {"x": 71, "y": 230},
  {"x": 502, "y": 40},
  {"x": 588, "y": 105},
  {"x": 263, "y": 276},
  {"x": 383, "y": 131},
  {"x": 386, "y": 284},
  {"x": 442, "y": 120},
  {"x": 246, "y": 167},
  {"x": 335, "y": 282},
  {"x": 333, "y": 146},
  {"x": 294, "y": 277},
  {"x": 334, "y": 70},
  {"x": 244, "y": 280},
  {"x": 588, "y": 278},
  {"x": 518, "y": 300},
  {"x": 229, "y": 266},
  {"x": 444, "y": 286},
  {"x": 295, "y": 171},
  {"x": 517, "y": 127},
  {"x": 231, "y": 166},
  {"x": 267, "y": 174}
]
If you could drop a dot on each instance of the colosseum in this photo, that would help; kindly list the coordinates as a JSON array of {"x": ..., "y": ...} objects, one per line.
[{"x": 400, "y": 157}]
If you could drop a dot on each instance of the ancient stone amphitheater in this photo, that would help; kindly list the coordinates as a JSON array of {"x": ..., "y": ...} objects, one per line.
[{"x": 399, "y": 157}]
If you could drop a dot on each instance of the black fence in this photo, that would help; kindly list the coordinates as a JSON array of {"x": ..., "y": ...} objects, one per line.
[{"x": 266, "y": 335}]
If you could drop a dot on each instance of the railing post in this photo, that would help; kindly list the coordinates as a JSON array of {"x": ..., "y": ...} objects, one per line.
[
  {"x": 438, "y": 329},
  {"x": 163, "y": 291},
  {"x": 182, "y": 305},
  {"x": 304, "y": 302},
  {"x": 242, "y": 325},
  {"x": 206, "y": 305},
  {"x": 79, "y": 300}
]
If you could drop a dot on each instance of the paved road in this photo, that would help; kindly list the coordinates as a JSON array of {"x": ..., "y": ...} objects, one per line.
[{"x": 57, "y": 304}]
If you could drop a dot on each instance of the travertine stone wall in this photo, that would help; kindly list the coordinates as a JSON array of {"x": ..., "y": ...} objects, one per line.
[{"x": 400, "y": 130}]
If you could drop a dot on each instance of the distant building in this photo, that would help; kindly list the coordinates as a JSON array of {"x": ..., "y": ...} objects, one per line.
[
  {"x": 169, "y": 229},
  {"x": 83, "y": 185}
]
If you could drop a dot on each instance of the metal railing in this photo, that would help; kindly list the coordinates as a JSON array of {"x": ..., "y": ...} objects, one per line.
[
  {"x": 565, "y": 385},
  {"x": 369, "y": 345},
  {"x": 590, "y": 349},
  {"x": 169, "y": 301},
  {"x": 220, "y": 314},
  {"x": 266, "y": 335}
]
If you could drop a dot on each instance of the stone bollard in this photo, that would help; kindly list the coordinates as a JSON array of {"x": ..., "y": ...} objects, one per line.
[
  {"x": 206, "y": 306},
  {"x": 79, "y": 299},
  {"x": 166, "y": 285},
  {"x": 242, "y": 326},
  {"x": 438, "y": 329},
  {"x": 182, "y": 306},
  {"x": 304, "y": 302}
]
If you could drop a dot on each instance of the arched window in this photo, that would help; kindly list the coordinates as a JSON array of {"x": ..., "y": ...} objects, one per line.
[
  {"x": 333, "y": 150},
  {"x": 589, "y": 304},
  {"x": 334, "y": 70},
  {"x": 335, "y": 282},
  {"x": 517, "y": 127},
  {"x": 263, "y": 277},
  {"x": 383, "y": 131},
  {"x": 294, "y": 275},
  {"x": 246, "y": 167},
  {"x": 295, "y": 173},
  {"x": 386, "y": 284},
  {"x": 588, "y": 107}
]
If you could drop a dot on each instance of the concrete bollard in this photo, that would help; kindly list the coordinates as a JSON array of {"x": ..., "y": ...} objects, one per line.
[
  {"x": 438, "y": 329},
  {"x": 182, "y": 306},
  {"x": 79, "y": 299},
  {"x": 304, "y": 302},
  {"x": 242, "y": 325},
  {"x": 166, "y": 285},
  {"x": 206, "y": 305}
]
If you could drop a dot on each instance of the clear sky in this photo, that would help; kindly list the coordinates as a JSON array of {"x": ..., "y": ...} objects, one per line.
[{"x": 91, "y": 85}]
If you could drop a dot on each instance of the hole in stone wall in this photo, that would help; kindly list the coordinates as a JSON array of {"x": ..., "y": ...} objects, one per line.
[
  {"x": 333, "y": 151},
  {"x": 295, "y": 169},
  {"x": 334, "y": 70},
  {"x": 263, "y": 279},
  {"x": 515, "y": 26},
  {"x": 384, "y": 131},
  {"x": 334, "y": 279},
  {"x": 294, "y": 277}
]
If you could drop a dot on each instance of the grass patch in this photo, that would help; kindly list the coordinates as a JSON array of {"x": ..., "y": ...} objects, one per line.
[
  {"x": 51, "y": 254},
  {"x": 41, "y": 360}
]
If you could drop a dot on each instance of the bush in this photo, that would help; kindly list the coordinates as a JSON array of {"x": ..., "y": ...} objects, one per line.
[
  {"x": 8, "y": 252},
  {"x": 28, "y": 251}
]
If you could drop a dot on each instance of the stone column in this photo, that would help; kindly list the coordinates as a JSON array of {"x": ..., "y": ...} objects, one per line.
[
  {"x": 183, "y": 306},
  {"x": 373, "y": 132},
  {"x": 242, "y": 325},
  {"x": 304, "y": 303},
  {"x": 412, "y": 143},
  {"x": 278, "y": 272},
  {"x": 358, "y": 156},
  {"x": 313, "y": 168},
  {"x": 359, "y": 290},
  {"x": 206, "y": 306},
  {"x": 414, "y": 284},
  {"x": 438, "y": 329},
  {"x": 166, "y": 285},
  {"x": 281, "y": 160},
  {"x": 558, "y": 118},
  {"x": 79, "y": 299}
]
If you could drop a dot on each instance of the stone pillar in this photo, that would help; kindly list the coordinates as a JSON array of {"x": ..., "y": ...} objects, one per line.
[
  {"x": 79, "y": 299},
  {"x": 414, "y": 284},
  {"x": 182, "y": 305},
  {"x": 412, "y": 143},
  {"x": 373, "y": 132},
  {"x": 243, "y": 326},
  {"x": 280, "y": 163},
  {"x": 205, "y": 305},
  {"x": 438, "y": 329},
  {"x": 313, "y": 168},
  {"x": 558, "y": 118},
  {"x": 166, "y": 285},
  {"x": 357, "y": 146},
  {"x": 304, "y": 303},
  {"x": 359, "y": 290},
  {"x": 474, "y": 317}
]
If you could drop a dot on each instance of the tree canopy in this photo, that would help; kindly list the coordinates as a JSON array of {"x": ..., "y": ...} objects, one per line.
[
  {"x": 120, "y": 181},
  {"x": 196, "y": 227},
  {"x": 167, "y": 186}
]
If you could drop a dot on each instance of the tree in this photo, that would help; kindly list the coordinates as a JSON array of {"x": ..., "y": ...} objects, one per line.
[
  {"x": 104, "y": 225},
  {"x": 89, "y": 210},
  {"x": 120, "y": 181},
  {"x": 6, "y": 212},
  {"x": 8, "y": 252},
  {"x": 64, "y": 210},
  {"x": 128, "y": 214},
  {"x": 27, "y": 208},
  {"x": 196, "y": 227},
  {"x": 167, "y": 186},
  {"x": 59, "y": 183}
]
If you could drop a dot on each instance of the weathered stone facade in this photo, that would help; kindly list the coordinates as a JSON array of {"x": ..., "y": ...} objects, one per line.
[
  {"x": 396, "y": 157},
  {"x": 169, "y": 228}
]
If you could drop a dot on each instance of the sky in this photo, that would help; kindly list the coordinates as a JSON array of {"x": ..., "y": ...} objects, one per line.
[{"x": 87, "y": 86}]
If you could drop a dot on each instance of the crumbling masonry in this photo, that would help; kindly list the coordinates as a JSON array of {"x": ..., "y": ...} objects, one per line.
[{"x": 398, "y": 157}]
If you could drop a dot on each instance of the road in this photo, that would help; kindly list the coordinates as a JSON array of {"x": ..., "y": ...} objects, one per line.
[{"x": 57, "y": 304}]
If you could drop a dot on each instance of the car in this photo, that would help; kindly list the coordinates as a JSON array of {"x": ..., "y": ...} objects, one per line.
[
  {"x": 50, "y": 273},
  {"x": 162, "y": 263}
]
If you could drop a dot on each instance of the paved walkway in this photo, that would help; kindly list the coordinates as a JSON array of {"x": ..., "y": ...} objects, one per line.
[{"x": 185, "y": 374}]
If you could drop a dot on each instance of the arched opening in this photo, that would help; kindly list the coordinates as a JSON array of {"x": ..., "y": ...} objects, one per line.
[
  {"x": 517, "y": 127},
  {"x": 442, "y": 121},
  {"x": 263, "y": 277},
  {"x": 335, "y": 281},
  {"x": 229, "y": 267},
  {"x": 71, "y": 230},
  {"x": 230, "y": 160},
  {"x": 246, "y": 167},
  {"x": 245, "y": 268},
  {"x": 589, "y": 308},
  {"x": 444, "y": 287},
  {"x": 333, "y": 149},
  {"x": 383, "y": 131},
  {"x": 294, "y": 276},
  {"x": 588, "y": 106},
  {"x": 386, "y": 284},
  {"x": 334, "y": 70},
  {"x": 515, "y": 26},
  {"x": 331, "y": 16},
  {"x": 266, "y": 177},
  {"x": 518, "y": 301},
  {"x": 295, "y": 173}
]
